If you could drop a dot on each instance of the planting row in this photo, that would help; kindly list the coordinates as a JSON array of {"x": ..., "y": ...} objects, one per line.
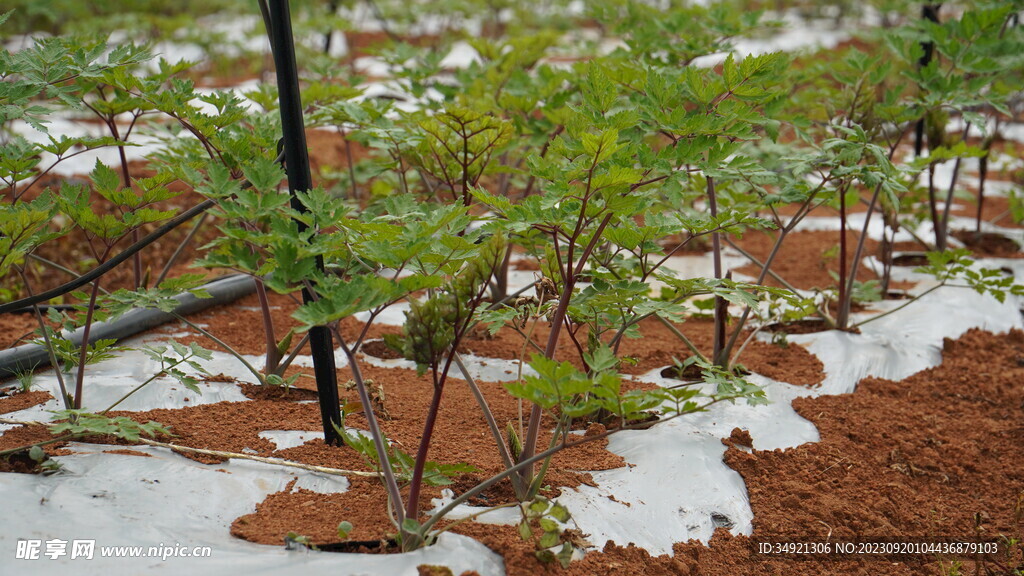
[{"x": 600, "y": 173}]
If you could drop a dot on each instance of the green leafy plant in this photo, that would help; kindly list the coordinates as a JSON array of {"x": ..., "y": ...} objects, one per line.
[
  {"x": 547, "y": 518},
  {"x": 956, "y": 268},
  {"x": 71, "y": 74},
  {"x": 172, "y": 365},
  {"x": 961, "y": 63},
  {"x": 73, "y": 424},
  {"x": 294, "y": 538}
]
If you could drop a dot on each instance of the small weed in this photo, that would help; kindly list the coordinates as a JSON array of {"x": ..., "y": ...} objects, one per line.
[
  {"x": 293, "y": 540},
  {"x": 24, "y": 379}
]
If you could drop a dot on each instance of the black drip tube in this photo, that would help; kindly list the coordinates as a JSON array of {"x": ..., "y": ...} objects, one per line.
[{"x": 14, "y": 361}]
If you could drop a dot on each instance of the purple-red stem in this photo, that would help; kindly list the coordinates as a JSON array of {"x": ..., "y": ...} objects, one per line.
[
  {"x": 940, "y": 242},
  {"x": 375, "y": 432},
  {"x": 721, "y": 309},
  {"x": 273, "y": 354},
  {"x": 949, "y": 199},
  {"x": 557, "y": 321},
  {"x": 416, "y": 483},
  {"x": 413, "y": 506},
  {"x": 84, "y": 354},
  {"x": 843, "y": 317},
  {"x": 842, "y": 256},
  {"x": 126, "y": 177},
  {"x": 982, "y": 176},
  {"x": 351, "y": 163}
]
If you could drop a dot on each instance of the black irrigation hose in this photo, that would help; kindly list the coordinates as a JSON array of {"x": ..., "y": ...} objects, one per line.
[
  {"x": 28, "y": 357},
  {"x": 109, "y": 264},
  {"x": 321, "y": 343}
]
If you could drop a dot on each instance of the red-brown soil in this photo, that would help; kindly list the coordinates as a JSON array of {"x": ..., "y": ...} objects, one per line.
[
  {"x": 13, "y": 400},
  {"x": 461, "y": 436},
  {"x": 128, "y": 452},
  {"x": 18, "y": 329},
  {"x": 806, "y": 258},
  {"x": 989, "y": 244}
]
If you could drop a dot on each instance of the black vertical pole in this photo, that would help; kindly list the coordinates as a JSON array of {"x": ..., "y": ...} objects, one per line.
[
  {"x": 299, "y": 179},
  {"x": 929, "y": 12}
]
